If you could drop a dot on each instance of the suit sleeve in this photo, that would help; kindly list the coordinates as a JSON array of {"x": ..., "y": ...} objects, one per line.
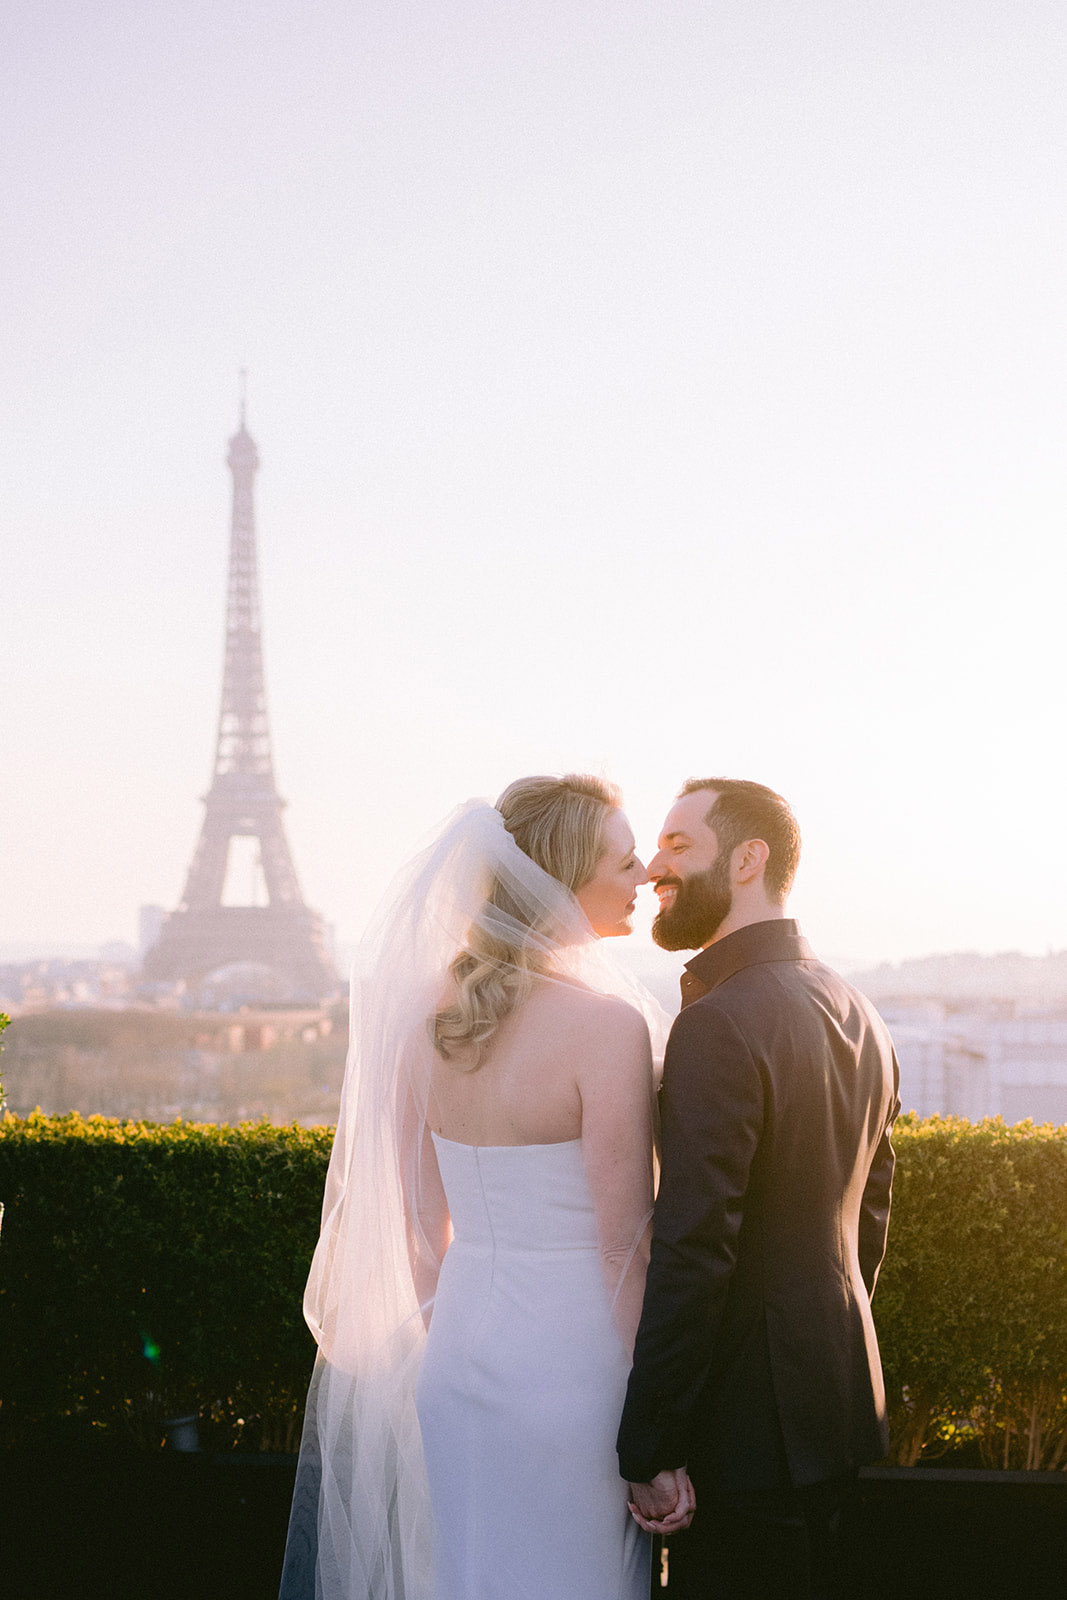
[
  {"x": 877, "y": 1193},
  {"x": 712, "y": 1113}
]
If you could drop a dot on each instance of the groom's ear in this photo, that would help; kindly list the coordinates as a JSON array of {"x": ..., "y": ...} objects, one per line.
[{"x": 751, "y": 858}]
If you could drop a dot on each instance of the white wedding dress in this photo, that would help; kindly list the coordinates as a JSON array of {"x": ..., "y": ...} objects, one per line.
[{"x": 521, "y": 1388}]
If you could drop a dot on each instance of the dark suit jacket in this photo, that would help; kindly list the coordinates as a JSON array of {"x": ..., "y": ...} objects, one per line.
[{"x": 756, "y": 1361}]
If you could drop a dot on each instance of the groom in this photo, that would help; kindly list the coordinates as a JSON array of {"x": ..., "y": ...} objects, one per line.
[{"x": 756, "y": 1368}]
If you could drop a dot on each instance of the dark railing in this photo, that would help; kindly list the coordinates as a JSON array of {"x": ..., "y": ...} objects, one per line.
[{"x": 97, "y": 1525}]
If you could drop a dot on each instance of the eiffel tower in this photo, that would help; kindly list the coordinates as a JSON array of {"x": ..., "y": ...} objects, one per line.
[{"x": 278, "y": 947}]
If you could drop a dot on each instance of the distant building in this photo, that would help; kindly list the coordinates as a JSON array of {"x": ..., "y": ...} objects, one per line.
[
  {"x": 150, "y": 920},
  {"x": 119, "y": 953},
  {"x": 1028, "y": 1067},
  {"x": 980, "y": 1061}
]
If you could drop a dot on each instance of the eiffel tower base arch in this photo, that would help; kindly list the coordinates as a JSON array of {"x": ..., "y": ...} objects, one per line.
[{"x": 287, "y": 944}]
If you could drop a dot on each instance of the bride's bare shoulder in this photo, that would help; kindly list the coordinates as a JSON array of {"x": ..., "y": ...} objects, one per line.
[{"x": 585, "y": 1008}]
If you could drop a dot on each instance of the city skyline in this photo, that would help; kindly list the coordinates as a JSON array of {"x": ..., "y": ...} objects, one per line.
[{"x": 650, "y": 394}]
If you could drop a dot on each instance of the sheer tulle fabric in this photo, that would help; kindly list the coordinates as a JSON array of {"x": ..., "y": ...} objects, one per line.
[{"x": 361, "y": 1523}]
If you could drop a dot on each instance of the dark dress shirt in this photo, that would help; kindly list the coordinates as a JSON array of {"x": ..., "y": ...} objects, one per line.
[{"x": 756, "y": 1362}]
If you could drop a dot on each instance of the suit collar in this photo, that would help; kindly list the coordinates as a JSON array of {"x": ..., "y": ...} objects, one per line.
[{"x": 779, "y": 939}]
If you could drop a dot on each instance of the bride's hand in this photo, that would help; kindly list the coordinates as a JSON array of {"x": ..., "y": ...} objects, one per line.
[{"x": 665, "y": 1505}]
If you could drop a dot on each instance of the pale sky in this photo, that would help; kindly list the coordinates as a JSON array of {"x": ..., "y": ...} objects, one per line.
[{"x": 657, "y": 389}]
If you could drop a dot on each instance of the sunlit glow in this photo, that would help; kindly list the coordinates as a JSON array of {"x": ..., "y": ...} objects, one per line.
[{"x": 665, "y": 396}]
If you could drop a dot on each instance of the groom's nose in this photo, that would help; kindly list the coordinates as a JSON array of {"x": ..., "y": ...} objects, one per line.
[{"x": 656, "y": 867}]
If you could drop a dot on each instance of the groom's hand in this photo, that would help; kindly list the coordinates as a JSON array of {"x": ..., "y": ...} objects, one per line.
[{"x": 666, "y": 1504}]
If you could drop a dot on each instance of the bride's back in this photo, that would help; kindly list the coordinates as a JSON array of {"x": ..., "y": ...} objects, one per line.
[{"x": 527, "y": 1088}]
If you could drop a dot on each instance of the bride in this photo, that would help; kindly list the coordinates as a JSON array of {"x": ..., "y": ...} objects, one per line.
[{"x": 477, "y": 1284}]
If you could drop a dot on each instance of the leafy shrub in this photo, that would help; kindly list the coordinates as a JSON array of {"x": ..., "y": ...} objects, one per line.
[
  {"x": 5, "y": 1021},
  {"x": 971, "y": 1306},
  {"x": 148, "y": 1271}
]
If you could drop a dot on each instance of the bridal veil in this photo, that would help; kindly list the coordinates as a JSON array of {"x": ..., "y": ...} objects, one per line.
[{"x": 361, "y": 1524}]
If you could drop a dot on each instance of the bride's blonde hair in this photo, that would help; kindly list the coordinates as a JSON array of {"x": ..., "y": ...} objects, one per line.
[{"x": 559, "y": 824}]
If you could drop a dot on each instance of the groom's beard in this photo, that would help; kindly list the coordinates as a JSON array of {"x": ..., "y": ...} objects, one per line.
[{"x": 701, "y": 905}]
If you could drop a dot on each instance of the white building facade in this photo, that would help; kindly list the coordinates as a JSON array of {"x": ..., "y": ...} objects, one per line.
[{"x": 980, "y": 1062}]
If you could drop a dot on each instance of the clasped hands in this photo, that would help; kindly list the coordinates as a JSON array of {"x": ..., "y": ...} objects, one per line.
[{"x": 666, "y": 1504}]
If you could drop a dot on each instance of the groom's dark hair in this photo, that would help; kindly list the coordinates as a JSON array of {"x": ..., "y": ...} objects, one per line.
[{"x": 744, "y": 810}]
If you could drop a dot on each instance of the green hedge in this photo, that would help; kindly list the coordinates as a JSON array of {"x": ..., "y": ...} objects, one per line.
[
  {"x": 147, "y": 1271},
  {"x": 5, "y": 1022},
  {"x": 971, "y": 1305}
]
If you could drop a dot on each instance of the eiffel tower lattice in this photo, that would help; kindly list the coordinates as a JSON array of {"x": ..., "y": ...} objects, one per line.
[{"x": 283, "y": 939}]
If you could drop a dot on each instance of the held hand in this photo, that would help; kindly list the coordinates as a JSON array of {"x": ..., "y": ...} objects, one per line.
[{"x": 666, "y": 1504}]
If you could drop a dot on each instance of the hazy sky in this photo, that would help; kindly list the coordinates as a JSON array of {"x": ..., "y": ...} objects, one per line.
[{"x": 663, "y": 389}]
